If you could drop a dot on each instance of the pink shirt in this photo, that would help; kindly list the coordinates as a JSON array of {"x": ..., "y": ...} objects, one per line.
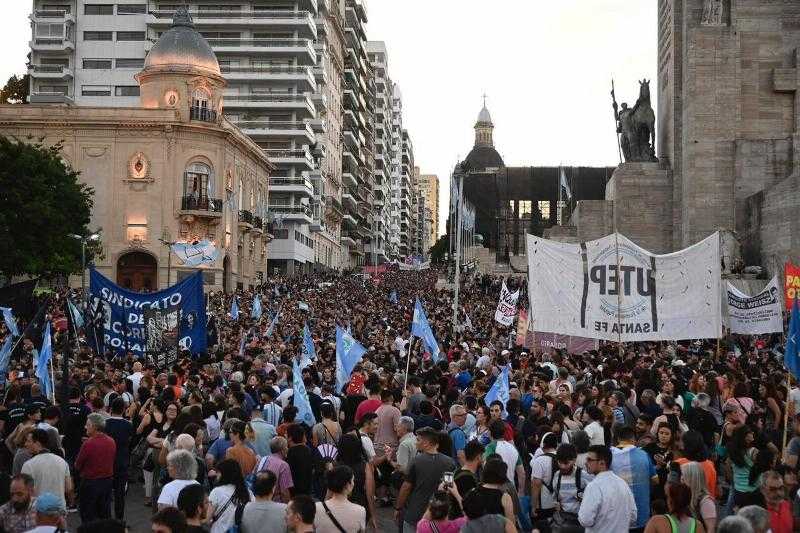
[{"x": 445, "y": 526}]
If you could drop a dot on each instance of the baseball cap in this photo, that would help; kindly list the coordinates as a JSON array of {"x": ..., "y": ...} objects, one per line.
[{"x": 48, "y": 503}]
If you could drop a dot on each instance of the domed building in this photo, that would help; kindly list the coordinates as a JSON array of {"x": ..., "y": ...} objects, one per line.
[
  {"x": 171, "y": 170},
  {"x": 510, "y": 202}
]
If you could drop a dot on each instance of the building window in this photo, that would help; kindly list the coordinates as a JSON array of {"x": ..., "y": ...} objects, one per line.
[
  {"x": 95, "y": 90},
  {"x": 130, "y": 36},
  {"x": 57, "y": 7},
  {"x": 98, "y": 36},
  {"x": 525, "y": 208},
  {"x": 282, "y": 234},
  {"x": 127, "y": 90},
  {"x": 131, "y": 9},
  {"x": 54, "y": 89},
  {"x": 97, "y": 64},
  {"x": 98, "y": 9},
  {"x": 195, "y": 182},
  {"x": 50, "y": 30},
  {"x": 544, "y": 209},
  {"x": 130, "y": 63}
]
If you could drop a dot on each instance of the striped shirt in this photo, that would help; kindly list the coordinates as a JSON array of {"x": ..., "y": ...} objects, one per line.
[
  {"x": 566, "y": 492},
  {"x": 272, "y": 414}
]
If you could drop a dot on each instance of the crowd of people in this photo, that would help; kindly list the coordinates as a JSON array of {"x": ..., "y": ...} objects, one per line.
[{"x": 697, "y": 436}]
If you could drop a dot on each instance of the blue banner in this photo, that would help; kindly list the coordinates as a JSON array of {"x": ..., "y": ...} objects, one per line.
[{"x": 123, "y": 312}]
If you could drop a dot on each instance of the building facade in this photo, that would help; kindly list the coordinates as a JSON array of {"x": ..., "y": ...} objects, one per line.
[
  {"x": 429, "y": 185},
  {"x": 382, "y": 125},
  {"x": 170, "y": 168}
]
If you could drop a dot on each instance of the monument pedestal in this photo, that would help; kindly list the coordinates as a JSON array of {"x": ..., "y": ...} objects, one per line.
[{"x": 641, "y": 197}]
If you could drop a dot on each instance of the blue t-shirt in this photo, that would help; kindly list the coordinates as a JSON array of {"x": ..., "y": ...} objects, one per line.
[
  {"x": 458, "y": 437},
  {"x": 463, "y": 379},
  {"x": 637, "y": 469}
]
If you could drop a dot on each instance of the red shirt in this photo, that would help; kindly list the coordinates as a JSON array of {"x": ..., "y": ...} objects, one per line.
[
  {"x": 780, "y": 519},
  {"x": 96, "y": 458},
  {"x": 356, "y": 385},
  {"x": 367, "y": 406}
]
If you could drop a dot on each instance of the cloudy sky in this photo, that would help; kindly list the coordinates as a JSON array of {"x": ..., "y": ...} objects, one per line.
[{"x": 545, "y": 65}]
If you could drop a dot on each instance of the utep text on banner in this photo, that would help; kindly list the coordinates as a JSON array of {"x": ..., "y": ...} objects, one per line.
[
  {"x": 123, "y": 312},
  {"x": 755, "y": 315},
  {"x": 792, "y": 284},
  {"x": 613, "y": 289},
  {"x": 506, "y": 306}
]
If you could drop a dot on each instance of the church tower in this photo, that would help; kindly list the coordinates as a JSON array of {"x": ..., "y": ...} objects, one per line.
[{"x": 484, "y": 128}]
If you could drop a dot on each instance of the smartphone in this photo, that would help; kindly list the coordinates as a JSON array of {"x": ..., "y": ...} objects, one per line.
[
  {"x": 20, "y": 375},
  {"x": 447, "y": 477}
]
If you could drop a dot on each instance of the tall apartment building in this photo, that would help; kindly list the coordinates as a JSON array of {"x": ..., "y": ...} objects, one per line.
[
  {"x": 283, "y": 61},
  {"x": 379, "y": 59},
  {"x": 429, "y": 185},
  {"x": 408, "y": 214}
]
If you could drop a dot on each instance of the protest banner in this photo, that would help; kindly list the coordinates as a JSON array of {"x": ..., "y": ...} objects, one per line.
[
  {"x": 161, "y": 335},
  {"x": 791, "y": 284},
  {"x": 755, "y": 315},
  {"x": 573, "y": 345},
  {"x": 122, "y": 313},
  {"x": 613, "y": 289},
  {"x": 522, "y": 327},
  {"x": 506, "y": 306}
]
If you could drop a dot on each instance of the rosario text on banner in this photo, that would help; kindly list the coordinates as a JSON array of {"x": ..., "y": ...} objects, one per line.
[{"x": 613, "y": 289}]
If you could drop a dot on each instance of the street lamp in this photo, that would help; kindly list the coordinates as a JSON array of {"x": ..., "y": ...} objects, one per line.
[
  {"x": 168, "y": 244},
  {"x": 84, "y": 239}
]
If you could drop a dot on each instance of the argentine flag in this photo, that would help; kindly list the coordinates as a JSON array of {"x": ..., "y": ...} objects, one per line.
[{"x": 348, "y": 353}]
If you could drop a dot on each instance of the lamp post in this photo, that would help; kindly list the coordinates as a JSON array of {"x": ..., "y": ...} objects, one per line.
[
  {"x": 168, "y": 244},
  {"x": 84, "y": 239},
  {"x": 459, "y": 177}
]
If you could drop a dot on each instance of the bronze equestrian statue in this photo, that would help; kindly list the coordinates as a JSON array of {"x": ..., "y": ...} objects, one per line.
[{"x": 637, "y": 126}]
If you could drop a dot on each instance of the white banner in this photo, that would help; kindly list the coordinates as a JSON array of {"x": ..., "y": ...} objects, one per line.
[
  {"x": 754, "y": 315},
  {"x": 506, "y": 306},
  {"x": 614, "y": 290}
]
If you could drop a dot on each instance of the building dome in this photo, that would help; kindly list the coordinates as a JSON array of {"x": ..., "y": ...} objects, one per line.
[
  {"x": 484, "y": 115},
  {"x": 182, "y": 48},
  {"x": 483, "y": 157}
]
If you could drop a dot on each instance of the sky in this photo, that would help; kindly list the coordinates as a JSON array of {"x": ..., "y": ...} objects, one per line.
[{"x": 546, "y": 68}]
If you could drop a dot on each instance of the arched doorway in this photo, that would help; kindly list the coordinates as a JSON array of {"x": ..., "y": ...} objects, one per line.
[
  {"x": 226, "y": 274},
  {"x": 137, "y": 271}
]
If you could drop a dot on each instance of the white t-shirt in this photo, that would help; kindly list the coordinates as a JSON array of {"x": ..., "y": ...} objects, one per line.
[
  {"x": 369, "y": 448},
  {"x": 49, "y": 473},
  {"x": 510, "y": 456},
  {"x": 542, "y": 469},
  {"x": 596, "y": 434},
  {"x": 218, "y": 498},
  {"x": 285, "y": 397},
  {"x": 400, "y": 345},
  {"x": 483, "y": 361},
  {"x": 136, "y": 378},
  {"x": 169, "y": 494}
]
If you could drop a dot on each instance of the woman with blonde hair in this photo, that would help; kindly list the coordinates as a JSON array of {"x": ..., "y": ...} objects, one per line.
[{"x": 702, "y": 506}]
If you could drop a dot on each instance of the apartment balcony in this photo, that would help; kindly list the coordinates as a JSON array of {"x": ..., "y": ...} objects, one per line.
[
  {"x": 52, "y": 44},
  {"x": 349, "y": 159},
  {"x": 51, "y": 72},
  {"x": 39, "y": 97},
  {"x": 300, "y": 49},
  {"x": 301, "y": 158},
  {"x": 321, "y": 75},
  {"x": 320, "y": 100},
  {"x": 349, "y": 220},
  {"x": 319, "y": 125},
  {"x": 298, "y": 131},
  {"x": 245, "y": 220},
  {"x": 52, "y": 16},
  {"x": 333, "y": 207},
  {"x": 299, "y": 186},
  {"x": 350, "y": 139},
  {"x": 347, "y": 240},
  {"x": 296, "y": 213},
  {"x": 193, "y": 207},
  {"x": 297, "y": 103},
  {"x": 349, "y": 179},
  {"x": 301, "y": 22},
  {"x": 348, "y": 200},
  {"x": 300, "y": 76}
]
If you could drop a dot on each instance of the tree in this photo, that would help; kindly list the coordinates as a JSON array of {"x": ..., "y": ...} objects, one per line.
[
  {"x": 439, "y": 249},
  {"x": 41, "y": 204},
  {"x": 16, "y": 90}
]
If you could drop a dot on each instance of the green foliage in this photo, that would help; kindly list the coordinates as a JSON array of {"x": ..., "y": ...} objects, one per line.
[
  {"x": 41, "y": 204},
  {"x": 439, "y": 249},
  {"x": 16, "y": 90}
]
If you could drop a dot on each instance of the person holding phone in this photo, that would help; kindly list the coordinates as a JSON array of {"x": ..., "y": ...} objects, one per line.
[{"x": 662, "y": 452}]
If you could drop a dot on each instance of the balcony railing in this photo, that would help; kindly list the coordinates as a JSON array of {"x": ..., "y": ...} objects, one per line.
[
  {"x": 260, "y": 43},
  {"x": 273, "y": 98},
  {"x": 246, "y": 217},
  {"x": 50, "y": 13},
  {"x": 276, "y": 69},
  {"x": 213, "y": 14},
  {"x": 50, "y": 41},
  {"x": 49, "y": 69},
  {"x": 274, "y": 125},
  {"x": 289, "y": 182},
  {"x": 287, "y": 154},
  {"x": 202, "y": 113},
  {"x": 192, "y": 203},
  {"x": 291, "y": 209}
]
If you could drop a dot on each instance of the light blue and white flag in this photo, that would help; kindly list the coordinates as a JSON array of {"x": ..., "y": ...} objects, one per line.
[
  {"x": 196, "y": 253},
  {"x": 241, "y": 344},
  {"x": 5, "y": 357},
  {"x": 348, "y": 353},
  {"x": 272, "y": 324},
  {"x": 791, "y": 355},
  {"x": 309, "y": 353},
  {"x": 420, "y": 327},
  {"x": 302, "y": 306},
  {"x": 300, "y": 397},
  {"x": 257, "y": 311},
  {"x": 45, "y": 354},
  {"x": 393, "y": 297},
  {"x": 77, "y": 317},
  {"x": 235, "y": 308},
  {"x": 11, "y": 324},
  {"x": 499, "y": 390}
]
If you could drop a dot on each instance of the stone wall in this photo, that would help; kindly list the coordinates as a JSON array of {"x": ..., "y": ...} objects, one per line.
[{"x": 593, "y": 219}]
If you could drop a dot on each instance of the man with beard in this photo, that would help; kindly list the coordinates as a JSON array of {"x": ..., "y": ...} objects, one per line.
[{"x": 18, "y": 514}]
